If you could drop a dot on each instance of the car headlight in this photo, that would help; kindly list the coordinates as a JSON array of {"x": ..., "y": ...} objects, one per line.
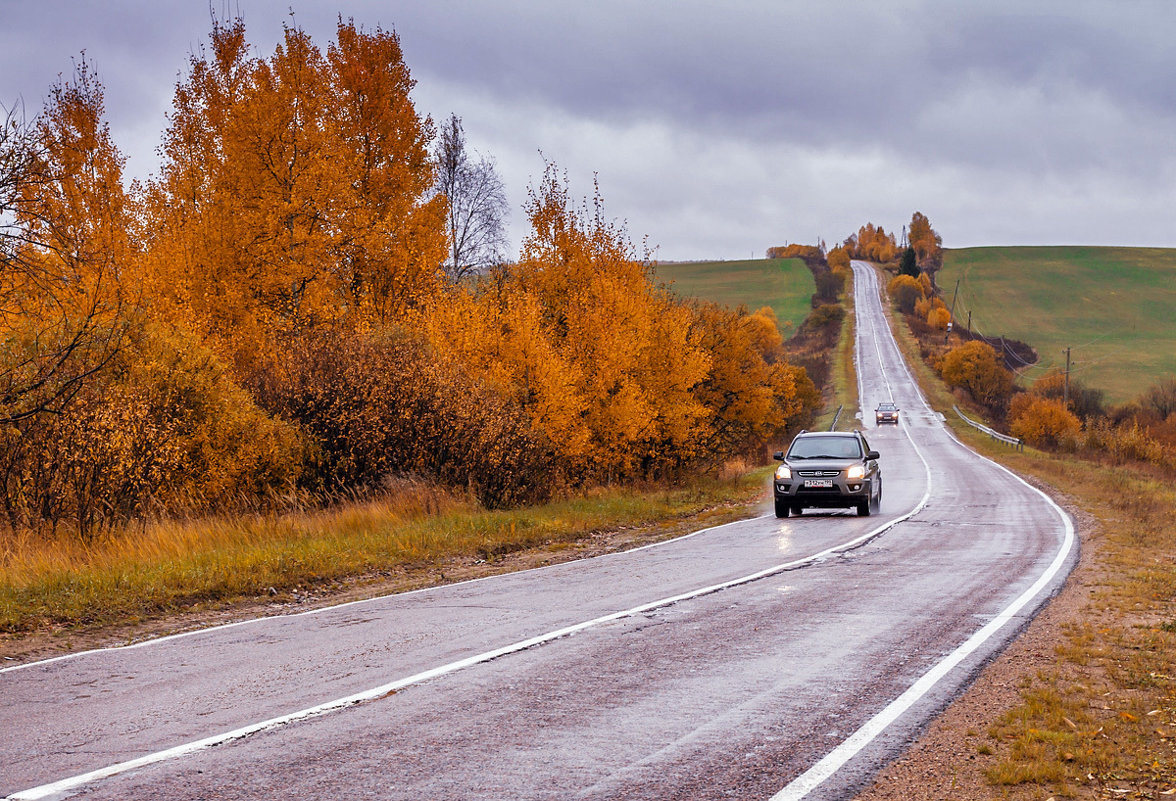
[
  {"x": 783, "y": 471},
  {"x": 857, "y": 471}
]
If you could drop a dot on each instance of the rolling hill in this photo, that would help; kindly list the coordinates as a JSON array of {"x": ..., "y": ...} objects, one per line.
[
  {"x": 1113, "y": 307},
  {"x": 786, "y": 285}
]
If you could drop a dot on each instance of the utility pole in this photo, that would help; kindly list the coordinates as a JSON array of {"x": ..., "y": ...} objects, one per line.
[
  {"x": 969, "y": 323},
  {"x": 951, "y": 312},
  {"x": 1066, "y": 385}
]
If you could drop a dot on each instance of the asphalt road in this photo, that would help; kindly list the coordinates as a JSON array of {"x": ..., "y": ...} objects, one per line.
[{"x": 765, "y": 658}]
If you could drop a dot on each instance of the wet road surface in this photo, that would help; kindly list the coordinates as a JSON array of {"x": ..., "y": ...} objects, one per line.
[{"x": 757, "y": 648}]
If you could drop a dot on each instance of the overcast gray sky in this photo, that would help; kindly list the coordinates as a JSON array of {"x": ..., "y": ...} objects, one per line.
[{"x": 719, "y": 129}]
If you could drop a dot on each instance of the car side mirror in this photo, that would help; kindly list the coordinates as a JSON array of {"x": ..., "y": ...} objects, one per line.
[
  {"x": 873, "y": 455},
  {"x": 778, "y": 456}
]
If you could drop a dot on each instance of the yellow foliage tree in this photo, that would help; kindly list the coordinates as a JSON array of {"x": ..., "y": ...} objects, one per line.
[
  {"x": 65, "y": 250},
  {"x": 794, "y": 251},
  {"x": 623, "y": 378},
  {"x": 754, "y": 395},
  {"x": 873, "y": 243},
  {"x": 838, "y": 258},
  {"x": 582, "y": 337},
  {"x": 1042, "y": 422},
  {"x": 927, "y": 244},
  {"x": 905, "y": 292},
  {"x": 938, "y": 317},
  {"x": 294, "y": 190},
  {"x": 974, "y": 366}
]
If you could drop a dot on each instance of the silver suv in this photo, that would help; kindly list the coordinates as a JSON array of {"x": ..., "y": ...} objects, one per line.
[{"x": 828, "y": 469}]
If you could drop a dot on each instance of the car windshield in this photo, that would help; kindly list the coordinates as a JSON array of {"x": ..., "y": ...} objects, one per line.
[
  {"x": 825, "y": 448},
  {"x": 886, "y": 407}
]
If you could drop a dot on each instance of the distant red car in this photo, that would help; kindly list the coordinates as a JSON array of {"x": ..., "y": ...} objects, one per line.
[{"x": 886, "y": 412}]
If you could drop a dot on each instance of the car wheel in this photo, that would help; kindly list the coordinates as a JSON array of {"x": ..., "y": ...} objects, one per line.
[
  {"x": 878, "y": 500},
  {"x": 864, "y": 508},
  {"x": 781, "y": 508}
]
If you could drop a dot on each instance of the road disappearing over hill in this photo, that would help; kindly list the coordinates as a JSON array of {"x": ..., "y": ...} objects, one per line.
[{"x": 762, "y": 659}]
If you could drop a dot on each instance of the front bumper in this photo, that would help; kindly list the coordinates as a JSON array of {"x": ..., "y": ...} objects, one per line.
[{"x": 842, "y": 493}]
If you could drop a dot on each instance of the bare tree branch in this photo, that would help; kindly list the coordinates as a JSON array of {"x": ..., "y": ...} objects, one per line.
[
  {"x": 476, "y": 223},
  {"x": 62, "y": 314}
]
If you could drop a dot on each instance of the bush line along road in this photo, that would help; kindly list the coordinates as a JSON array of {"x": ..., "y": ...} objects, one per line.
[{"x": 765, "y": 658}]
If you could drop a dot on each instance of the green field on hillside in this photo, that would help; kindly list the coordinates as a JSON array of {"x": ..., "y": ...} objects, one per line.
[
  {"x": 786, "y": 285},
  {"x": 1114, "y": 307}
]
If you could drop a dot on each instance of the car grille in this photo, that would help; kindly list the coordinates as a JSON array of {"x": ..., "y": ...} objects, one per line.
[{"x": 818, "y": 473}]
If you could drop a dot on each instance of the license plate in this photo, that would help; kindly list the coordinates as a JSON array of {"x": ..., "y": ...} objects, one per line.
[{"x": 818, "y": 483}]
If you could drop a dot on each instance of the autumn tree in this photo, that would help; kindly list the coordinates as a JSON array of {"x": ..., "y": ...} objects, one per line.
[
  {"x": 1083, "y": 401},
  {"x": 64, "y": 248},
  {"x": 905, "y": 292},
  {"x": 938, "y": 317},
  {"x": 624, "y": 379},
  {"x": 475, "y": 219},
  {"x": 872, "y": 243},
  {"x": 927, "y": 244},
  {"x": 1042, "y": 422},
  {"x": 974, "y": 366},
  {"x": 295, "y": 189},
  {"x": 755, "y": 396},
  {"x": 796, "y": 251},
  {"x": 636, "y": 360},
  {"x": 838, "y": 258}
]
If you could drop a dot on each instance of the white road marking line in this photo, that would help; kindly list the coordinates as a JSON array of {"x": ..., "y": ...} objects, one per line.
[
  {"x": 334, "y": 607},
  {"x": 802, "y": 785},
  {"x": 73, "y": 782}
]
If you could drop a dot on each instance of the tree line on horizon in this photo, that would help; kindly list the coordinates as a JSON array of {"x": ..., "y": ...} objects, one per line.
[{"x": 285, "y": 309}]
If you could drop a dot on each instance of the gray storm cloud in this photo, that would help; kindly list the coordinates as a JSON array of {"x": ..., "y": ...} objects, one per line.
[{"x": 721, "y": 129}]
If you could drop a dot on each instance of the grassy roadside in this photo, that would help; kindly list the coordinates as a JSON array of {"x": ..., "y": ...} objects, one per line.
[
  {"x": 1100, "y": 722},
  {"x": 176, "y": 567},
  {"x": 842, "y": 390},
  {"x": 844, "y": 375}
]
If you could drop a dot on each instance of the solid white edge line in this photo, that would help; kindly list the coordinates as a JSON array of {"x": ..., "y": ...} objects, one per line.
[
  {"x": 72, "y": 782},
  {"x": 802, "y": 785},
  {"x": 833, "y": 761}
]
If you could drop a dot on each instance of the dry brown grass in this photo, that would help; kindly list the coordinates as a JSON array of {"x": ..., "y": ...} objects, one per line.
[{"x": 177, "y": 566}]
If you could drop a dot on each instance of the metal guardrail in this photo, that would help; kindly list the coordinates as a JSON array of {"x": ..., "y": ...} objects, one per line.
[
  {"x": 1013, "y": 441},
  {"x": 836, "y": 417}
]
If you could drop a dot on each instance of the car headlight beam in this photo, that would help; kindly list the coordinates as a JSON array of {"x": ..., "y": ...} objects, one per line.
[
  {"x": 783, "y": 471},
  {"x": 857, "y": 471}
]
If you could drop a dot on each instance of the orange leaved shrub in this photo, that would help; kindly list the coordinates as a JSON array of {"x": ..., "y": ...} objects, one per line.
[
  {"x": 381, "y": 405},
  {"x": 1042, "y": 422},
  {"x": 165, "y": 428},
  {"x": 905, "y": 291},
  {"x": 938, "y": 317},
  {"x": 974, "y": 366}
]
